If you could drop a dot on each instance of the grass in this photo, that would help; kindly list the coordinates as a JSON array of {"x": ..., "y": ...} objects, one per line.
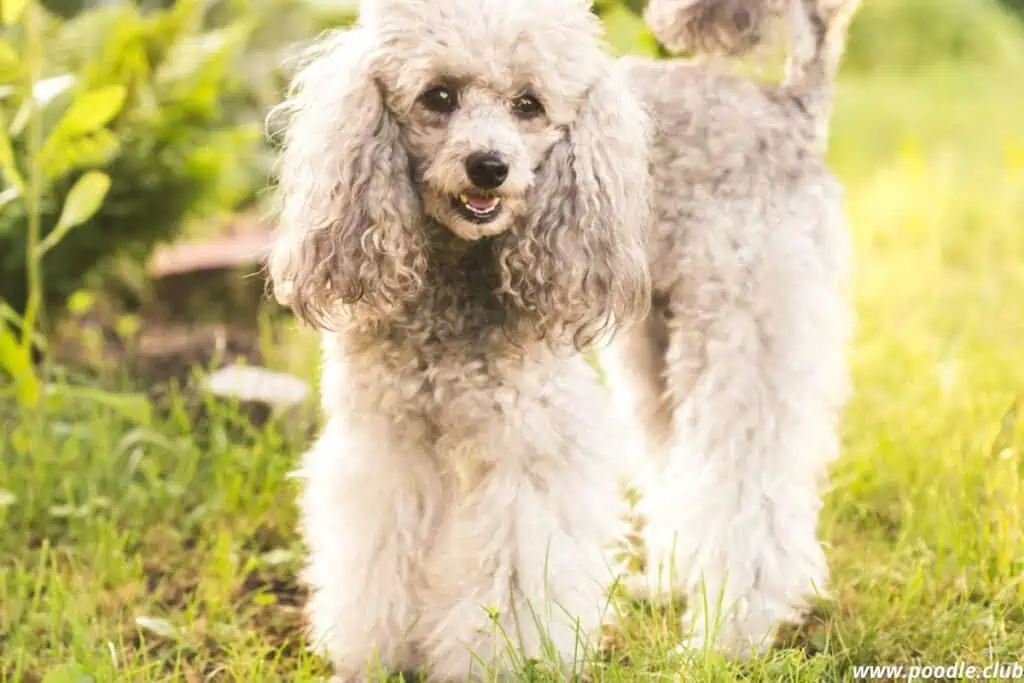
[{"x": 138, "y": 548}]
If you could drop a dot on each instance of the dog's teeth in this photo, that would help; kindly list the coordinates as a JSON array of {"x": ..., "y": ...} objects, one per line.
[{"x": 480, "y": 206}]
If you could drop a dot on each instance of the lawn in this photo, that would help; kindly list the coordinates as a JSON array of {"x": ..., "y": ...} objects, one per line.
[{"x": 138, "y": 547}]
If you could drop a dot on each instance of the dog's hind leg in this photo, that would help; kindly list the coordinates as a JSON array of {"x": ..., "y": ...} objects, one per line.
[
  {"x": 756, "y": 373},
  {"x": 634, "y": 366}
]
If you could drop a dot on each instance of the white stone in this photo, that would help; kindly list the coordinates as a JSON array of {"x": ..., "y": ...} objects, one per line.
[{"x": 248, "y": 383}]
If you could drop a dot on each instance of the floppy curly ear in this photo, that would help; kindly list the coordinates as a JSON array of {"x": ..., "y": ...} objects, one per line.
[
  {"x": 578, "y": 264},
  {"x": 347, "y": 229}
]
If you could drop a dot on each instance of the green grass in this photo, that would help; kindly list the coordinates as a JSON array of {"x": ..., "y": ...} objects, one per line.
[{"x": 164, "y": 549}]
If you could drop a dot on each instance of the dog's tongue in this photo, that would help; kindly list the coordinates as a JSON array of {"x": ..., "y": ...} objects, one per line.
[{"x": 480, "y": 202}]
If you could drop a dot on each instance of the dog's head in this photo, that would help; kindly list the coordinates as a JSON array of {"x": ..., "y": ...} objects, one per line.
[{"x": 495, "y": 119}]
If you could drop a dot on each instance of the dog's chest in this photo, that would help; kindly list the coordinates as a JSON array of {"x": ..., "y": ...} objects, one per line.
[
  {"x": 497, "y": 456},
  {"x": 480, "y": 417},
  {"x": 506, "y": 484}
]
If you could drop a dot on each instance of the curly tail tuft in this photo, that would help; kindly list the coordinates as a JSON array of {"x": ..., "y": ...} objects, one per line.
[
  {"x": 734, "y": 28},
  {"x": 731, "y": 28}
]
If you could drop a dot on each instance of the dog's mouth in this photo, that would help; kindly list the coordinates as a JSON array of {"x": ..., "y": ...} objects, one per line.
[{"x": 478, "y": 207}]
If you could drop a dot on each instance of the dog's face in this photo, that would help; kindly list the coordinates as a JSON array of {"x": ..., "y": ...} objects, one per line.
[
  {"x": 498, "y": 119},
  {"x": 483, "y": 91},
  {"x": 475, "y": 145}
]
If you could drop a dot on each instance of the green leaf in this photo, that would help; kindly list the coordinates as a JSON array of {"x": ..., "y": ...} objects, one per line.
[
  {"x": 8, "y": 314},
  {"x": 204, "y": 56},
  {"x": 10, "y": 64},
  {"x": 83, "y": 152},
  {"x": 81, "y": 302},
  {"x": 16, "y": 360},
  {"x": 135, "y": 407},
  {"x": 92, "y": 110},
  {"x": 68, "y": 673},
  {"x": 81, "y": 204},
  {"x": 10, "y": 352},
  {"x": 11, "y": 10},
  {"x": 625, "y": 32},
  {"x": 8, "y": 196},
  {"x": 8, "y": 167},
  {"x": 7, "y": 54}
]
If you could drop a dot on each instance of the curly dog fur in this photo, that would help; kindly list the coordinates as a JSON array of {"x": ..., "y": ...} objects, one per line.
[
  {"x": 459, "y": 505},
  {"x": 738, "y": 374}
]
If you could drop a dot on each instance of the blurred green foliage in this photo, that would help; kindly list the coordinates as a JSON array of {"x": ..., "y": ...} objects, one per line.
[
  {"x": 910, "y": 34},
  {"x": 625, "y": 30},
  {"x": 158, "y": 86}
]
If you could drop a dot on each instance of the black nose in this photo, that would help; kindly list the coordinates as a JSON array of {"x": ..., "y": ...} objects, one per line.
[{"x": 486, "y": 170}]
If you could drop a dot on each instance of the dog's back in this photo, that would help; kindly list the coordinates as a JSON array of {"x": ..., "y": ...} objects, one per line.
[
  {"x": 816, "y": 30},
  {"x": 720, "y": 140}
]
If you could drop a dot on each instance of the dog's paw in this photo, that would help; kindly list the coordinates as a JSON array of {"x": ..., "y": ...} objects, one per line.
[
  {"x": 654, "y": 587},
  {"x": 348, "y": 679},
  {"x": 736, "y": 638},
  {"x": 358, "y": 676}
]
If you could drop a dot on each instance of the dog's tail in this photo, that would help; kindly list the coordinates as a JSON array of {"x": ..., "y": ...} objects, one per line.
[{"x": 816, "y": 28}]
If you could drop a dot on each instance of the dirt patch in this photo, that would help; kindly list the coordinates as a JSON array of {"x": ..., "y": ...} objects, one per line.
[
  {"x": 812, "y": 634},
  {"x": 274, "y": 605},
  {"x": 197, "y": 305},
  {"x": 160, "y": 351}
]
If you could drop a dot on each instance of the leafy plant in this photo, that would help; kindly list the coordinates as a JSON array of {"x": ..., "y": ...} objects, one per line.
[
  {"x": 141, "y": 96},
  {"x": 89, "y": 114}
]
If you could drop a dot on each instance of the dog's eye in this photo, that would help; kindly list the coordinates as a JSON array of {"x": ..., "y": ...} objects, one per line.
[
  {"x": 442, "y": 99},
  {"x": 527, "y": 106}
]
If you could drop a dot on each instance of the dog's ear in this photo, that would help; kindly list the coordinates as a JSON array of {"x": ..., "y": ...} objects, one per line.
[
  {"x": 578, "y": 263},
  {"x": 347, "y": 229}
]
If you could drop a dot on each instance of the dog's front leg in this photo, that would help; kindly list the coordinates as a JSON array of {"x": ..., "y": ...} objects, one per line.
[
  {"x": 519, "y": 578},
  {"x": 362, "y": 520}
]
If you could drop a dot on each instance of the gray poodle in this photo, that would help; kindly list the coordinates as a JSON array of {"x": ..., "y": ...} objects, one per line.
[
  {"x": 464, "y": 195},
  {"x": 738, "y": 373}
]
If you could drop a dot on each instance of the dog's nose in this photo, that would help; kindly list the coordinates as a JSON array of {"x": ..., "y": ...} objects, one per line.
[{"x": 486, "y": 170}]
